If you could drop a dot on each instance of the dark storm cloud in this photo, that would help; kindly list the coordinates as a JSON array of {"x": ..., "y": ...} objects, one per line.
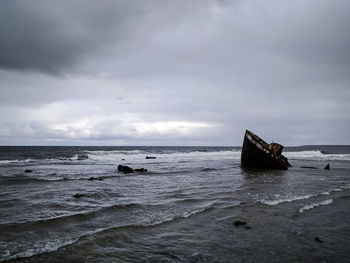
[
  {"x": 57, "y": 36},
  {"x": 51, "y": 37}
]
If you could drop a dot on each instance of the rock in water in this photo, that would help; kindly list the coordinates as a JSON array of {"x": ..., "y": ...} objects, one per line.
[
  {"x": 239, "y": 223},
  {"x": 28, "y": 171},
  {"x": 83, "y": 157},
  {"x": 318, "y": 240},
  {"x": 78, "y": 195},
  {"x": 151, "y": 157},
  {"x": 327, "y": 167},
  {"x": 125, "y": 169},
  {"x": 142, "y": 170}
]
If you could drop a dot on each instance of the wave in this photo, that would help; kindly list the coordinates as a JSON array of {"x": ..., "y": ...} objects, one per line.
[
  {"x": 303, "y": 197},
  {"x": 22, "y": 180},
  {"x": 313, "y": 205},
  {"x": 91, "y": 214},
  {"x": 71, "y": 217},
  {"x": 15, "y": 161},
  {"x": 42, "y": 247},
  {"x": 133, "y": 156},
  {"x": 185, "y": 214},
  {"x": 316, "y": 155},
  {"x": 179, "y": 157},
  {"x": 285, "y": 199},
  {"x": 50, "y": 245}
]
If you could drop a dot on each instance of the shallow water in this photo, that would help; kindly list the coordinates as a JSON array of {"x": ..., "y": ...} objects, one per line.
[{"x": 75, "y": 206}]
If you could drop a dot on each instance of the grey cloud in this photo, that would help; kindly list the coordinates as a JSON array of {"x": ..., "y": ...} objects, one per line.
[
  {"x": 56, "y": 37},
  {"x": 280, "y": 68}
]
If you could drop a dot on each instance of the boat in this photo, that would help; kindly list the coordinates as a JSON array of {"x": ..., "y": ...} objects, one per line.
[{"x": 256, "y": 153}]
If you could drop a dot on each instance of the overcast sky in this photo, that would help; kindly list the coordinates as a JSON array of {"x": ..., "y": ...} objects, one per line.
[{"x": 184, "y": 72}]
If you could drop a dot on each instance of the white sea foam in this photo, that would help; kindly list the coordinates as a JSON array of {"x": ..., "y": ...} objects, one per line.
[
  {"x": 345, "y": 187},
  {"x": 74, "y": 158},
  {"x": 42, "y": 247},
  {"x": 139, "y": 156},
  {"x": 15, "y": 161},
  {"x": 185, "y": 214},
  {"x": 316, "y": 155},
  {"x": 285, "y": 199},
  {"x": 313, "y": 205}
]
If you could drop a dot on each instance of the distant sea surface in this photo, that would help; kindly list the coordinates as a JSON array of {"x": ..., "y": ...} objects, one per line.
[{"x": 72, "y": 205}]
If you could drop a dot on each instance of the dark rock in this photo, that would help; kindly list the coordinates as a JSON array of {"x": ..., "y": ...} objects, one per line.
[
  {"x": 78, "y": 195},
  {"x": 95, "y": 178},
  {"x": 239, "y": 223},
  {"x": 125, "y": 169},
  {"x": 83, "y": 157},
  {"x": 151, "y": 157},
  {"x": 327, "y": 167},
  {"x": 123, "y": 159},
  {"x": 142, "y": 170},
  {"x": 247, "y": 227},
  {"x": 28, "y": 171},
  {"x": 318, "y": 240}
]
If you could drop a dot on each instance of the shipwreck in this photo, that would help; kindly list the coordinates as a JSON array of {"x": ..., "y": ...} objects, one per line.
[{"x": 256, "y": 153}]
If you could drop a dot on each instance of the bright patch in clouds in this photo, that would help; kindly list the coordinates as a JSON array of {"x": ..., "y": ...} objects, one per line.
[{"x": 175, "y": 127}]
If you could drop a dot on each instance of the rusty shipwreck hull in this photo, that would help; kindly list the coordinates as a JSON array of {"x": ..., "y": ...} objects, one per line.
[{"x": 256, "y": 153}]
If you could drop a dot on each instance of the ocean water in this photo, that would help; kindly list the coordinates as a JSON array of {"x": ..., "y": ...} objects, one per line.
[{"x": 74, "y": 206}]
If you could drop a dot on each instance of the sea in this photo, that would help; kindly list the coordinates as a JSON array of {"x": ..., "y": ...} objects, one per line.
[{"x": 194, "y": 204}]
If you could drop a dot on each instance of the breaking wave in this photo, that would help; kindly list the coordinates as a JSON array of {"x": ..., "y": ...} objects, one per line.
[
  {"x": 285, "y": 199},
  {"x": 15, "y": 161},
  {"x": 313, "y": 205},
  {"x": 54, "y": 245},
  {"x": 140, "y": 156},
  {"x": 39, "y": 248},
  {"x": 316, "y": 155}
]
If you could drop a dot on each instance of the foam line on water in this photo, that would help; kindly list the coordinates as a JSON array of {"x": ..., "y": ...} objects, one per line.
[
  {"x": 39, "y": 248},
  {"x": 285, "y": 199},
  {"x": 316, "y": 155},
  {"x": 15, "y": 161},
  {"x": 313, "y": 205},
  {"x": 140, "y": 157}
]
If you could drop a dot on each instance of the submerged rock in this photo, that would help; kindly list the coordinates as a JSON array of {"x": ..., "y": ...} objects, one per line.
[
  {"x": 83, "y": 157},
  {"x": 239, "y": 223},
  {"x": 78, "y": 195},
  {"x": 95, "y": 178},
  {"x": 318, "y": 240},
  {"x": 142, "y": 170}
]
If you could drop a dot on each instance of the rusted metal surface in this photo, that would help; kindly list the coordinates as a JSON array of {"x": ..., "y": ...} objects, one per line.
[{"x": 259, "y": 154}]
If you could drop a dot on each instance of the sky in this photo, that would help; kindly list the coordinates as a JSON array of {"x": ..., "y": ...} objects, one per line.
[{"x": 185, "y": 72}]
